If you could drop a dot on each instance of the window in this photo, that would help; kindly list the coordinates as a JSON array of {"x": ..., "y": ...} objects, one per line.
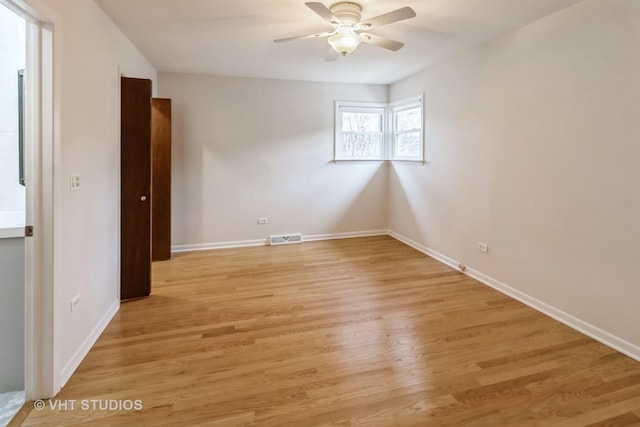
[
  {"x": 406, "y": 123},
  {"x": 360, "y": 131}
]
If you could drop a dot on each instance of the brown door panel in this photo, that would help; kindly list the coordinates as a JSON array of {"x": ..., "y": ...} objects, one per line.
[
  {"x": 135, "y": 239},
  {"x": 161, "y": 179}
]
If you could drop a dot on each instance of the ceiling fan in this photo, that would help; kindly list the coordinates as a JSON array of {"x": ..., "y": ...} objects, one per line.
[{"x": 349, "y": 31}]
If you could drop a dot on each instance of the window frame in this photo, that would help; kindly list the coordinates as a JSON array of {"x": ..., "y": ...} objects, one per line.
[
  {"x": 359, "y": 107},
  {"x": 397, "y": 107},
  {"x": 388, "y": 133}
]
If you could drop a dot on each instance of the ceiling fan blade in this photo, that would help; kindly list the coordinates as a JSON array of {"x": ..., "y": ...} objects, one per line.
[
  {"x": 323, "y": 11},
  {"x": 308, "y": 36},
  {"x": 332, "y": 56},
  {"x": 388, "y": 18},
  {"x": 381, "y": 42}
]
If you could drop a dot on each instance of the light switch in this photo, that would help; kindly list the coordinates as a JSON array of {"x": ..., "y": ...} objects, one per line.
[{"x": 75, "y": 182}]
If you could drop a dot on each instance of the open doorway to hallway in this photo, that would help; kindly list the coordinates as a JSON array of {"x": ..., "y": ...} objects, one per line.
[{"x": 12, "y": 214}]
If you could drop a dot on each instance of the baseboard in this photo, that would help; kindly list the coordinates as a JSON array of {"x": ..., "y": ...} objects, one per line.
[
  {"x": 573, "y": 322},
  {"x": 91, "y": 339},
  {"x": 586, "y": 328},
  {"x": 219, "y": 245},
  {"x": 417, "y": 246},
  {"x": 349, "y": 235},
  {"x": 263, "y": 242}
]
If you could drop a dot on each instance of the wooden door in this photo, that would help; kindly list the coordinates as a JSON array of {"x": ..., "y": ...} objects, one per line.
[
  {"x": 135, "y": 188},
  {"x": 161, "y": 179}
]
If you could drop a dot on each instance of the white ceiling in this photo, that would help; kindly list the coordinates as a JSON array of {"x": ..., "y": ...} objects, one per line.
[{"x": 235, "y": 37}]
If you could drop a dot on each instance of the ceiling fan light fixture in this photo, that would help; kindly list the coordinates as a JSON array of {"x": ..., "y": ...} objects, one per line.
[
  {"x": 345, "y": 42},
  {"x": 348, "y": 28}
]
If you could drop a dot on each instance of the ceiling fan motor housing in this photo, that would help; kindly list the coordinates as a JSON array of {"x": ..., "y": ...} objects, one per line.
[{"x": 348, "y": 13}]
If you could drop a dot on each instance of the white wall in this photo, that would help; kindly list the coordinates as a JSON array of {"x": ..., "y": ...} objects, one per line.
[
  {"x": 532, "y": 147},
  {"x": 88, "y": 51},
  {"x": 249, "y": 148},
  {"x": 12, "y": 58}
]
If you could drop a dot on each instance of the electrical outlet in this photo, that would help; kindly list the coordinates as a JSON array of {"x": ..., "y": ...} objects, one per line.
[
  {"x": 74, "y": 303},
  {"x": 262, "y": 220},
  {"x": 483, "y": 247}
]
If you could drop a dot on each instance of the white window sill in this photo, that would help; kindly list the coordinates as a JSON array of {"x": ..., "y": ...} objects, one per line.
[
  {"x": 409, "y": 162},
  {"x": 401, "y": 161},
  {"x": 358, "y": 160}
]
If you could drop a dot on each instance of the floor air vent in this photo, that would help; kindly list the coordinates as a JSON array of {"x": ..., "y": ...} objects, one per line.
[{"x": 285, "y": 239}]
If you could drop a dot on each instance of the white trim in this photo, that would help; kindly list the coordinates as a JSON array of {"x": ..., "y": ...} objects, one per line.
[
  {"x": 339, "y": 161},
  {"x": 40, "y": 372},
  {"x": 433, "y": 254},
  {"x": 87, "y": 344},
  {"x": 348, "y": 235},
  {"x": 219, "y": 245},
  {"x": 409, "y": 162},
  {"x": 118, "y": 166},
  {"x": 265, "y": 242},
  {"x": 573, "y": 322},
  {"x": 34, "y": 315}
]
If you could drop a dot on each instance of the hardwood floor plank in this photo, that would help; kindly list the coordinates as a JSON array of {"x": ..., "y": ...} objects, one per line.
[
  {"x": 351, "y": 332},
  {"x": 628, "y": 419}
]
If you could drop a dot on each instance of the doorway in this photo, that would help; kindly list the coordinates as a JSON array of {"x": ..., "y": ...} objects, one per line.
[
  {"x": 12, "y": 213},
  {"x": 31, "y": 166},
  {"x": 145, "y": 190}
]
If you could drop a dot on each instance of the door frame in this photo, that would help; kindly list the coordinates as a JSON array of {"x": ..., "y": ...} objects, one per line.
[{"x": 40, "y": 373}]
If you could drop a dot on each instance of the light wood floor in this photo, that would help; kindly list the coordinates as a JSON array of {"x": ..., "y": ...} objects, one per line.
[{"x": 349, "y": 332}]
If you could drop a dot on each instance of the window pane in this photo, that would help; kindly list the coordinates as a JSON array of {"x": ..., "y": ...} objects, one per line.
[
  {"x": 409, "y": 119},
  {"x": 408, "y": 144},
  {"x": 360, "y": 145},
  {"x": 361, "y": 122}
]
